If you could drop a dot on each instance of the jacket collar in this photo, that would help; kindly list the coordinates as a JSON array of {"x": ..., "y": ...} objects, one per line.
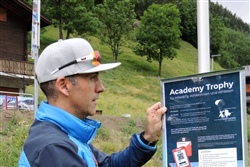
[{"x": 83, "y": 130}]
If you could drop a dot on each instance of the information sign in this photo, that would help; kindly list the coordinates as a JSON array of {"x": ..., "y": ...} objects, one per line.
[{"x": 207, "y": 117}]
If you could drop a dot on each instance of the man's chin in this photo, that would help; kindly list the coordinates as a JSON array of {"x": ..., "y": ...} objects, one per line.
[{"x": 92, "y": 113}]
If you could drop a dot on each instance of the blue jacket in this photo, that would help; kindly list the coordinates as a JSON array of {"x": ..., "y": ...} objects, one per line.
[{"x": 59, "y": 139}]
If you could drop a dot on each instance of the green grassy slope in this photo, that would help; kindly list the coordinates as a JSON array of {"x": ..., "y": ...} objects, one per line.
[{"x": 134, "y": 86}]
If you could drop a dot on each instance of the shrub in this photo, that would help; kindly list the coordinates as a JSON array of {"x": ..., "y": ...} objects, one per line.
[
  {"x": 109, "y": 147},
  {"x": 130, "y": 127},
  {"x": 103, "y": 133}
]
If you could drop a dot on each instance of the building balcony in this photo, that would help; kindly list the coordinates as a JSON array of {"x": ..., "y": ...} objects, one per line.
[{"x": 16, "y": 67}]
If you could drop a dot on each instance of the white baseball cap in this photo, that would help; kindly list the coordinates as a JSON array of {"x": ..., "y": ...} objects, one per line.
[{"x": 69, "y": 57}]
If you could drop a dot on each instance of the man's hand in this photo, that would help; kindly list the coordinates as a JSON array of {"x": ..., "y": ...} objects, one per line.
[{"x": 154, "y": 122}]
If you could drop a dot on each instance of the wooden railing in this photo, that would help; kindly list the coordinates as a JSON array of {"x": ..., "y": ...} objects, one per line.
[{"x": 17, "y": 67}]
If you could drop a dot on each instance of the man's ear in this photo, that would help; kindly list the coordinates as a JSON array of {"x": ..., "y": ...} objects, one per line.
[{"x": 62, "y": 85}]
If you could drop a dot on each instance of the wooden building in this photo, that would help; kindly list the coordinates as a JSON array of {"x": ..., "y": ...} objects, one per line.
[
  {"x": 247, "y": 74},
  {"x": 15, "y": 23}
]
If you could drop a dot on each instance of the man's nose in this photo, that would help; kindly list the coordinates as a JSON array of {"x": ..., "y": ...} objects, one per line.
[{"x": 99, "y": 87}]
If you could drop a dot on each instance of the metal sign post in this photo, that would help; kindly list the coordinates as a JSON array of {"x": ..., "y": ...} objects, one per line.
[
  {"x": 203, "y": 35},
  {"x": 35, "y": 44}
]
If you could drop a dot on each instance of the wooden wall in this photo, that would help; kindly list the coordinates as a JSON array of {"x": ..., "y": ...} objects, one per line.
[
  {"x": 13, "y": 38},
  {"x": 5, "y": 89}
]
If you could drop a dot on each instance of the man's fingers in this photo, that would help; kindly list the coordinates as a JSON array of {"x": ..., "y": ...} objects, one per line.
[
  {"x": 156, "y": 106},
  {"x": 161, "y": 111}
]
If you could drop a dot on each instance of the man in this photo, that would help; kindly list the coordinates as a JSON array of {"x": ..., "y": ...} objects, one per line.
[{"x": 61, "y": 135}]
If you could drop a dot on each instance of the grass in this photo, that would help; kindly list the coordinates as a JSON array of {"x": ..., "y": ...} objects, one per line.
[
  {"x": 129, "y": 89},
  {"x": 12, "y": 135}
]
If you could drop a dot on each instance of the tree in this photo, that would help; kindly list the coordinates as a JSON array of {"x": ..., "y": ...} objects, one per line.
[
  {"x": 142, "y": 5},
  {"x": 117, "y": 18},
  {"x": 236, "y": 51},
  {"x": 188, "y": 15},
  {"x": 159, "y": 33},
  {"x": 229, "y": 19},
  {"x": 86, "y": 23},
  {"x": 73, "y": 16},
  {"x": 216, "y": 34}
]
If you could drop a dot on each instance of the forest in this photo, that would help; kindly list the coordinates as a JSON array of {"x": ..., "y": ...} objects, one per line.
[{"x": 152, "y": 28}]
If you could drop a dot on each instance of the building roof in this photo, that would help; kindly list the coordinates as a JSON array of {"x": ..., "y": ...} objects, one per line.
[
  {"x": 22, "y": 9},
  {"x": 28, "y": 79}
]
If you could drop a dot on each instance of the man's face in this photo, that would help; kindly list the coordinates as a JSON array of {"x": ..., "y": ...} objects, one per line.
[{"x": 83, "y": 96}]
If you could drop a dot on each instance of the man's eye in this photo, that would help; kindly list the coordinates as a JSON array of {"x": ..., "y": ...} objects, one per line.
[{"x": 94, "y": 77}]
